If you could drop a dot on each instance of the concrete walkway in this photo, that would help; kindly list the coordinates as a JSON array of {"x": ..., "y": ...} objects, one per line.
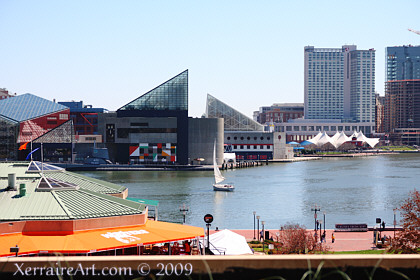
[{"x": 344, "y": 241}]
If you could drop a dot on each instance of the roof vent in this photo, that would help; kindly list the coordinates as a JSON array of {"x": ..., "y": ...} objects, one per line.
[{"x": 11, "y": 181}]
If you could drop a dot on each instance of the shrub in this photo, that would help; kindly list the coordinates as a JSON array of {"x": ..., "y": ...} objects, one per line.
[{"x": 295, "y": 239}]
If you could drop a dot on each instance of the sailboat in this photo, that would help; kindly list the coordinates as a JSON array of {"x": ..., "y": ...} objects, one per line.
[{"x": 218, "y": 177}]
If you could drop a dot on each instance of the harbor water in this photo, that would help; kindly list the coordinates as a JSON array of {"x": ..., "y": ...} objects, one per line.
[{"x": 347, "y": 190}]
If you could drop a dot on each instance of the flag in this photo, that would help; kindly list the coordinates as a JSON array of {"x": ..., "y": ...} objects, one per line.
[
  {"x": 31, "y": 153},
  {"x": 23, "y": 146}
]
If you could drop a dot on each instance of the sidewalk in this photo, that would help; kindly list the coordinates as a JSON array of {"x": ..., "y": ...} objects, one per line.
[{"x": 344, "y": 241}]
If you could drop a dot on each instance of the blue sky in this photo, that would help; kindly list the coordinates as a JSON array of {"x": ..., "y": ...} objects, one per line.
[{"x": 246, "y": 53}]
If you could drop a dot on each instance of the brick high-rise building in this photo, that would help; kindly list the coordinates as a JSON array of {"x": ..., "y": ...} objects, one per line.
[{"x": 402, "y": 94}]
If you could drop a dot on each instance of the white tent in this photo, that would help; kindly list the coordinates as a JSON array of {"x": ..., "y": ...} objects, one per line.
[
  {"x": 341, "y": 139},
  {"x": 315, "y": 138},
  {"x": 324, "y": 139},
  {"x": 229, "y": 243},
  {"x": 371, "y": 141}
]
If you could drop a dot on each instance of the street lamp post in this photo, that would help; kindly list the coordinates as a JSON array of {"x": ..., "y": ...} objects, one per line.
[
  {"x": 324, "y": 223},
  {"x": 315, "y": 209},
  {"x": 254, "y": 222},
  {"x": 258, "y": 226},
  {"x": 395, "y": 220},
  {"x": 263, "y": 223},
  {"x": 320, "y": 229},
  {"x": 184, "y": 211}
]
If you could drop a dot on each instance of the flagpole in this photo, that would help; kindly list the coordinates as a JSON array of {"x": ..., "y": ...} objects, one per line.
[{"x": 42, "y": 160}]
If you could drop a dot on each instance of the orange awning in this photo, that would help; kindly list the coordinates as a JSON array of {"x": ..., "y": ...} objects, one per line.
[{"x": 98, "y": 240}]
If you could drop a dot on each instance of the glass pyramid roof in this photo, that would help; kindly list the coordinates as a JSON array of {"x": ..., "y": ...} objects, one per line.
[
  {"x": 233, "y": 120},
  {"x": 49, "y": 184},
  {"x": 171, "y": 95},
  {"x": 28, "y": 106},
  {"x": 61, "y": 134},
  {"x": 36, "y": 166}
]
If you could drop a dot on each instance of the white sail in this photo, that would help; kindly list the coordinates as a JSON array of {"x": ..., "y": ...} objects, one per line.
[{"x": 217, "y": 175}]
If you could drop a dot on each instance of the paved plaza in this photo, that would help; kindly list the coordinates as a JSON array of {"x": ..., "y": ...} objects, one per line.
[{"x": 344, "y": 241}]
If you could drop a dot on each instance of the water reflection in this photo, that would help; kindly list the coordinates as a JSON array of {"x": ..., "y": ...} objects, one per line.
[{"x": 350, "y": 190}]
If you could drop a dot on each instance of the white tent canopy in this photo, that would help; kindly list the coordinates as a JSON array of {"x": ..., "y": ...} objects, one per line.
[
  {"x": 340, "y": 138},
  {"x": 229, "y": 243},
  {"x": 324, "y": 139}
]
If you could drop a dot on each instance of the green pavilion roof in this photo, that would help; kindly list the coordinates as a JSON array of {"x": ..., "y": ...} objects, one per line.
[{"x": 69, "y": 196}]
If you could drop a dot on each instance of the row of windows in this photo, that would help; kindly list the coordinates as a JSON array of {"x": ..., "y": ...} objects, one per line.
[
  {"x": 248, "y": 138},
  {"x": 251, "y": 147},
  {"x": 324, "y": 128}
]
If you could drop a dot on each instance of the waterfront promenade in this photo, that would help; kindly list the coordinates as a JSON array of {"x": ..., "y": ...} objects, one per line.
[{"x": 344, "y": 241}]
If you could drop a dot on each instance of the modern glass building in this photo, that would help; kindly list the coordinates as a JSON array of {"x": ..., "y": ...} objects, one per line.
[
  {"x": 402, "y": 63},
  {"x": 339, "y": 83},
  {"x": 152, "y": 128},
  {"x": 402, "y": 94},
  {"x": 172, "y": 95},
  {"x": 26, "y": 117},
  {"x": 233, "y": 120}
]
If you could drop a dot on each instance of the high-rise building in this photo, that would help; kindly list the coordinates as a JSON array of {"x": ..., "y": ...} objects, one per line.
[
  {"x": 340, "y": 83},
  {"x": 402, "y": 94},
  {"x": 402, "y": 63}
]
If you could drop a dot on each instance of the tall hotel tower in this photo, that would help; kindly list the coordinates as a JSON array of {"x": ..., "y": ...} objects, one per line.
[{"x": 340, "y": 84}]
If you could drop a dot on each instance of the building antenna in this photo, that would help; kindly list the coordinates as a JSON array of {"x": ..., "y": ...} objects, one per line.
[{"x": 415, "y": 31}]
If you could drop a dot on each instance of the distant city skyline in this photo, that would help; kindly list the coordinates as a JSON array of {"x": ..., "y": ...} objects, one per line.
[{"x": 245, "y": 53}]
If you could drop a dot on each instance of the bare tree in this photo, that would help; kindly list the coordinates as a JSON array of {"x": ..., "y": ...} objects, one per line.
[
  {"x": 408, "y": 240},
  {"x": 295, "y": 239}
]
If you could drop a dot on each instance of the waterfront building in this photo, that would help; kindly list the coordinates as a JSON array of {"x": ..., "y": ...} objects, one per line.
[
  {"x": 155, "y": 128},
  {"x": 246, "y": 137},
  {"x": 402, "y": 95},
  {"x": 24, "y": 118},
  {"x": 299, "y": 130},
  {"x": 279, "y": 112},
  {"x": 152, "y": 127},
  {"x": 47, "y": 211},
  {"x": 339, "y": 83},
  {"x": 85, "y": 119}
]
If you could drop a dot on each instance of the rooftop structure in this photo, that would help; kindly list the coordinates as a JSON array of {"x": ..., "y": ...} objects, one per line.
[
  {"x": 171, "y": 95},
  {"x": 46, "y": 210},
  {"x": 233, "y": 120},
  {"x": 28, "y": 106},
  {"x": 84, "y": 117},
  {"x": 24, "y": 118}
]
